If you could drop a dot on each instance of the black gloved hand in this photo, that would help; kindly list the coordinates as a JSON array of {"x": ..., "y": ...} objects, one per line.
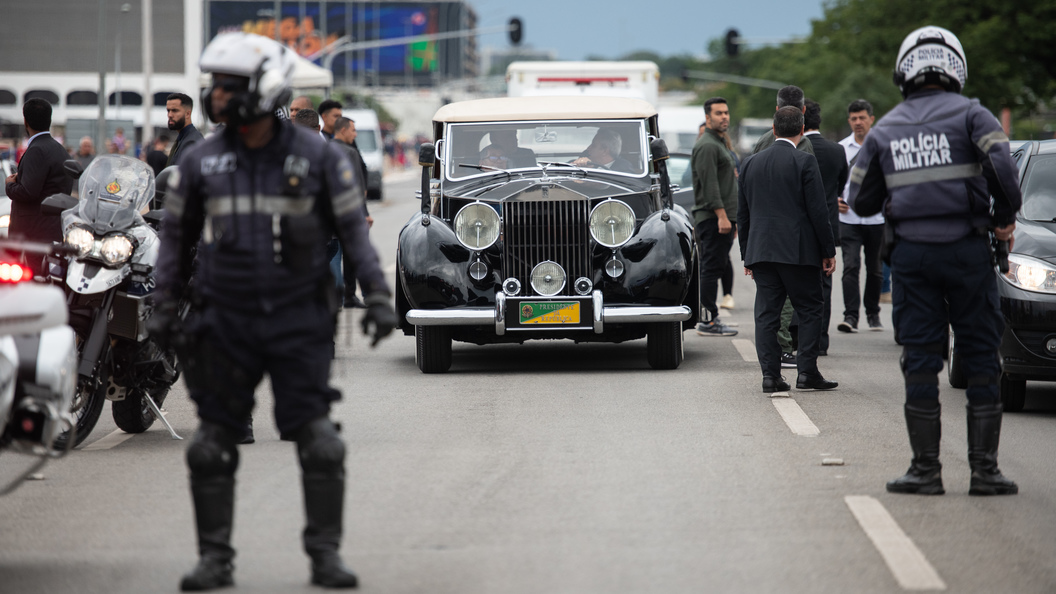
[
  {"x": 164, "y": 324},
  {"x": 380, "y": 315}
]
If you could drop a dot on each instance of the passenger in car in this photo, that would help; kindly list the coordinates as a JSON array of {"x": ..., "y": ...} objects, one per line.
[
  {"x": 604, "y": 153},
  {"x": 495, "y": 157},
  {"x": 506, "y": 140}
]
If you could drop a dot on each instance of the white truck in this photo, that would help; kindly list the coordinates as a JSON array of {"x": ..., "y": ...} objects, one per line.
[{"x": 637, "y": 80}]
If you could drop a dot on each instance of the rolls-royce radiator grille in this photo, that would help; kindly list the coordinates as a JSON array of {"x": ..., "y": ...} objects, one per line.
[{"x": 538, "y": 231}]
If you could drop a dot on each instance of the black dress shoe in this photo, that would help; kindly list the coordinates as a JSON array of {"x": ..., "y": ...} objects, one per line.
[
  {"x": 814, "y": 382},
  {"x": 771, "y": 385}
]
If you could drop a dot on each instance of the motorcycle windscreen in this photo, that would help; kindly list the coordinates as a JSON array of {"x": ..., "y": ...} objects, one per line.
[{"x": 113, "y": 191}]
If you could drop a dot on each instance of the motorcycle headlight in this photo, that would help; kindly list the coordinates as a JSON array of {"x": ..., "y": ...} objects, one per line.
[
  {"x": 477, "y": 226},
  {"x": 116, "y": 249},
  {"x": 612, "y": 223},
  {"x": 1031, "y": 274},
  {"x": 82, "y": 239}
]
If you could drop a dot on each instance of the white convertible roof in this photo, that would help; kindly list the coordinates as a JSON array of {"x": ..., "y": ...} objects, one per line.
[{"x": 507, "y": 109}]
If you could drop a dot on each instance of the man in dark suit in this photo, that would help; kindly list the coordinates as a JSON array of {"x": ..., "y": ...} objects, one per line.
[
  {"x": 786, "y": 243},
  {"x": 40, "y": 174},
  {"x": 834, "y": 171},
  {"x": 179, "y": 108}
]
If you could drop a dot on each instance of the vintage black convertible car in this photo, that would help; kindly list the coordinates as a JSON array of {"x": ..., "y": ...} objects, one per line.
[{"x": 546, "y": 217}]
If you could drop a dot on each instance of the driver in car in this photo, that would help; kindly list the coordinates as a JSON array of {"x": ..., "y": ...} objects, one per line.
[
  {"x": 604, "y": 153},
  {"x": 494, "y": 157}
]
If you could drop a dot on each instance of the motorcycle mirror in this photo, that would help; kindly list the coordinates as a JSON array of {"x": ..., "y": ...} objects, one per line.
[
  {"x": 73, "y": 168},
  {"x": 56, "y": 203}
]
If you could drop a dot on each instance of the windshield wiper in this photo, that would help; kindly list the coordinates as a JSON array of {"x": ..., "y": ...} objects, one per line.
[
  {"x": 563, "y": 164},
  {"x": 485, "y": 168}
]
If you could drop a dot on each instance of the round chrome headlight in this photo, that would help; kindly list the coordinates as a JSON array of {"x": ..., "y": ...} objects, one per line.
[
  {"x": 82, "y": 239},
  {"x": 116, "y": 249},
  {"x": 548, "y": 278},
  {"x": 612, "y": 223},
  {"x": 477, "y": 226}
]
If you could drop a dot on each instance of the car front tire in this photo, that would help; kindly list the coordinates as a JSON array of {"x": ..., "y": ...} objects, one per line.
[
  {"x": 664, "y": 345},
  {"x": 433, "y": 348}
]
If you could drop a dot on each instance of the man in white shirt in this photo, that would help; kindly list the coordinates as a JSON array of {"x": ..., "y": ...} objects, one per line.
[{"x": 858, "y": 234}]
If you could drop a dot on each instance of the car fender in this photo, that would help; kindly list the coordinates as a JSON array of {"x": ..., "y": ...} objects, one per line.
[
  {"x": 432, "y": 264},
  {"x": 659, "y": 260}
]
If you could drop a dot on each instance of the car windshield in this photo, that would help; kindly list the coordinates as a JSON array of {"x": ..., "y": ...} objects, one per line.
[
  {"x": 1039, "y": 189},
  {"x": 479, "y": 149}
]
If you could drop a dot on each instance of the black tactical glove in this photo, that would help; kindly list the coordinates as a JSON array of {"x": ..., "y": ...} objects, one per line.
[
  {"x": 380, "y": 315},
  {"x": 164, "y": 324}
]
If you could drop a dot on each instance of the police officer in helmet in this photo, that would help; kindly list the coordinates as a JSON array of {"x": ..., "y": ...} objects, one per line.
[
  {"x": 264, "y": 196},
  {"x": 931, "y": 166}
]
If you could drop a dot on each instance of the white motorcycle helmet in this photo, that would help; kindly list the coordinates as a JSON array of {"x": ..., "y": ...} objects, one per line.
[
  {"x": 265, "y": 64},
  {"x": 930, "y": 56}
]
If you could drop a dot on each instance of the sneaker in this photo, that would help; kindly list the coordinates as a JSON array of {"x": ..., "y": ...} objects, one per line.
[
  {"x": 715, "y": 328},
  {"x": 848, "y": 324},
  {"x": 788, "y": 361},
  {"x": 727, "y": 301},
  {"x": 874, "y": 323},
  {"x": 885, "y": 297}
]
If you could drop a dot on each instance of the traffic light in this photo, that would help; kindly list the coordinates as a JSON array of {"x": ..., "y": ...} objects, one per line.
[
  {"x": 516, "y": 31},
  {"x": 731, "y": 42}
]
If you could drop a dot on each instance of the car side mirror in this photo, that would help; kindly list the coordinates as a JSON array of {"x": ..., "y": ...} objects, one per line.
[
  {"x": 57, "y": 203},
  {"x": 73, "y": 168},
  {"x": 427, "y": 155},
  {"x": 658, "y": 148},
  {"x": 427, "y": 159}
]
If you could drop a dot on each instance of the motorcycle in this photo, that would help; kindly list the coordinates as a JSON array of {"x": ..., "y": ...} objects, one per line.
[
  {"x": 38, "y": 359},
  {"x": 108, "y": 283}
]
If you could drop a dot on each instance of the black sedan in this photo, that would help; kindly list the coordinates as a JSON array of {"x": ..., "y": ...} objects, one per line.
[{"x": 1028, "y": 289}]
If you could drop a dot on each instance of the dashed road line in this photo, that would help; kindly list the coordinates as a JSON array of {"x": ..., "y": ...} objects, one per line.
[
  {"x": 908, "y": 564},
  {"x": 746, "y": 348},
  {"x": 795, "y": 418},
  {"x": 116, "y": 438}
]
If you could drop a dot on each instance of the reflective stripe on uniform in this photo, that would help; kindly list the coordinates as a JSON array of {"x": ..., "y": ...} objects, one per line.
[
  {"x": 857, "y": 175},
  {"x": 989, "y": 140},
  {"x": 932, "y": 174},
  {"x": 347, "y": 202},
  {"x": 269, "y": 205},
  {"x": 174, "y": 204}
]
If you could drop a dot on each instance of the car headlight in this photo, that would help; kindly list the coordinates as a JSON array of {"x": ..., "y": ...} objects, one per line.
[
  {"x": 612, "y": 223},
  {"x": 1031, "y": 274},
  {"x": 477, "y": 226},
  {"x": 82, "y": 239},
  {"x": 548, "y": 278},
  {"x": 116, "y": 249}
]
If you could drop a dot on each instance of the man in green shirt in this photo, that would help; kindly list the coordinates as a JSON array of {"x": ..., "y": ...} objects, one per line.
[{"x": 715, "y": 211}]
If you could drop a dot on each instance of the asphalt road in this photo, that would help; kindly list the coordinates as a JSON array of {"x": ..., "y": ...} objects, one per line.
[{"x": 563, "y": 468}]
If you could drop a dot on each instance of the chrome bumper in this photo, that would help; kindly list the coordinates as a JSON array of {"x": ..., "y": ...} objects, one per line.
[{"x": 487, "y": 316}]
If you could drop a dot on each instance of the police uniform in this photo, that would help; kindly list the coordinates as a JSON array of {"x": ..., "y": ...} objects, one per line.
[{"x": 931, "y": 167}]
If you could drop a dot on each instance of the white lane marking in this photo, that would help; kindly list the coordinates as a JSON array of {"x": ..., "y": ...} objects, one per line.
[
  {"x": 746, "y": 348},
  {"x": 908, "y": 564},
  {"x": 115, "y": 438},
  {"x": 795, "y": 418}
]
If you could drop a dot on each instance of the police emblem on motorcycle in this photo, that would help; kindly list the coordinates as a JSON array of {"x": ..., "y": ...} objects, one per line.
[
  {"x": 113, "y": 187},
  {"x": 526, "y": 312}
]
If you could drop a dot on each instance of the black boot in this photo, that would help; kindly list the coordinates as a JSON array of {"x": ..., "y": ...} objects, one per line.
[
  {"x": 214, "y": 504},
  {"x": 984, "y": 433},
  {"x": 322, "y": 455},
  {"x": 924, "y": 476}
]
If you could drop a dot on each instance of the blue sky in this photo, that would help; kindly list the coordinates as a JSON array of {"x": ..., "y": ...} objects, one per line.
[{"x": 578, "y": 28}]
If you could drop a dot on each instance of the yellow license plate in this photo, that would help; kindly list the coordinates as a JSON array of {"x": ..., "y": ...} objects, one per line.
[{"x": 549, "y": 312}]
